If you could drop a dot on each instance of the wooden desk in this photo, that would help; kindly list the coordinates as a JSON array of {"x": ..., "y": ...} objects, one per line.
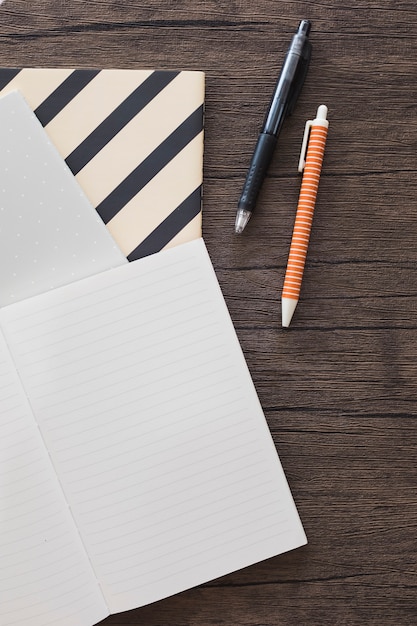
[{"x": 338, "y": 387}]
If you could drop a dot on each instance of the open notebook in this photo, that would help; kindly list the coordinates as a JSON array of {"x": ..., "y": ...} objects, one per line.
[{"x": 135, "y": 460}]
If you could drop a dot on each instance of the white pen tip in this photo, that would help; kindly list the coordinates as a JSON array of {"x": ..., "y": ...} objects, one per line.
[{"x": 288, "y": 306}]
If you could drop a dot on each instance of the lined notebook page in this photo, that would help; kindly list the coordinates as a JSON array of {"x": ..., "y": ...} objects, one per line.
[
  {"x": 144, "y": 399},
  {"x": 45, "y": 576}
]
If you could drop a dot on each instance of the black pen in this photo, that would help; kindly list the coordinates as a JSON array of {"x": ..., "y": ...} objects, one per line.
[{"x": 283, "y": 100}]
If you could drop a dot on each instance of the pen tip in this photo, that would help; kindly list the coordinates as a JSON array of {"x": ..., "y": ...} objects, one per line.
[
  {"x": 288, "y": 306},
  {"x": 304, "y": 27},
  {"x": 242, "y": 218}
]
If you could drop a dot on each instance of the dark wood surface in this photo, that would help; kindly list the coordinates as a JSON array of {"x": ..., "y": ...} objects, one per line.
[{"x": 339, "y": 387}]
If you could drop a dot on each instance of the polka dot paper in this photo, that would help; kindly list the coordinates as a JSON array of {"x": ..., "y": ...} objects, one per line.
[{"x": 50, "y": 235}]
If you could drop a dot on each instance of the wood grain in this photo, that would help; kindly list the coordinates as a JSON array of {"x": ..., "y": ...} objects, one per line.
[{"x": 338, "y": 387}]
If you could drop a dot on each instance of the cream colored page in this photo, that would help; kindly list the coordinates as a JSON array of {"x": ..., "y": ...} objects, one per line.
[
  {"x": 45, "y": 576},
  {"x": 145, "y": 401}
]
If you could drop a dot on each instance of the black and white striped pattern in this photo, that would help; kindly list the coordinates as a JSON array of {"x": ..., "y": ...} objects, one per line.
[{"x": 134, "y": 141}]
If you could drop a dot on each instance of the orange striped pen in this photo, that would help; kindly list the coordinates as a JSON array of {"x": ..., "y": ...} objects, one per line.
[{"x": 315, "y": 135}]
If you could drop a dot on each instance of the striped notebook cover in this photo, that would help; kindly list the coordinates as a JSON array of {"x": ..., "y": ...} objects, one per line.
[{"x": 134, "y": 141}]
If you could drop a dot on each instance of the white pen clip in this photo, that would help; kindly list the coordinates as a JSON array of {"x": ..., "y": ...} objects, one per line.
[
  {"x": 302, "y": 161},
  {"x": 321, "y": 120}
]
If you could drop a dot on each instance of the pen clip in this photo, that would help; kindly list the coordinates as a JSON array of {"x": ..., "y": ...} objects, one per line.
[
  {"x": 320, "y": 121},
  {"x": 302, "y": 161},
  {"x": 299, "y": 79}
]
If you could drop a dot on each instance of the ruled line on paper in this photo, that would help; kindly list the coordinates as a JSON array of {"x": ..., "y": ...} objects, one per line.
[
  {"x": 114, "y": 344},
  {"x": 127, "y": 353},
  {"x": 98, "y": 405},
  {"x": 26, "y": 464},
  {"x": 222, "y": 544},
  {"x": 17, "y": 416},
  {"x": 3, "y": 388},
  {"x": 67, "y": 591},
  {"x": 267, "y": 540},
  {"x": 57, "y": 607},
  {"x": 40, "y": 519},
  {"x": 110, "y": 348},
  {"x": 65, "y": 582},
  {"x": 124, "y": 405},
  {"x": 30, "y": 487},
  {"x": 27, "y": 549},
  {"x": 38, "y": 541},
  {"x": 162, "y": 415},
  {"x": 136, "y": 508},
  {"x": 118, "y": 279},
  {"x": 160, "y": 487},
  {"x": 29, "y": 512},
  {"x": 140, "y": 515},
  {"x": 17, "y": 456},
  {"x": 201, "y": 529},
  {"x": 28, "y": 500},
  {"x": 16, "y": 431},
  {"x": 150, "y": 420},
  {"x": 45, "y": 529},
  {"x": 52, "y": 550},
  {"x": 177, "y": 432},
  {"x": 122, "y": 369},
  {"x": 169, "y": 484},
  {"x": 132, "y": 552},
  {"x": 182, "y": 467},
  {"x": 18, "y": 444},
  {"x": 128, "y": 298},
  {"x": 33, "y": 466},
  {"x": 120, "y": 345},
  {"x": 133, "y": 316},
  {"x": 142, "y": 434}
]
